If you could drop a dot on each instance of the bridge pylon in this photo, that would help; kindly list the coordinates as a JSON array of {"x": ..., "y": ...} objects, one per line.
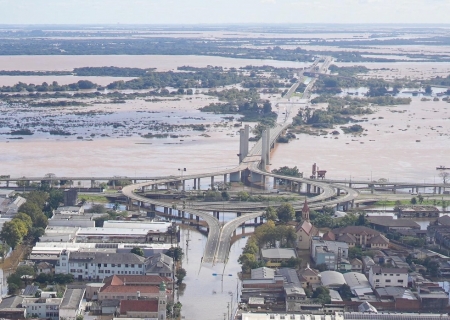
[{"x": 244, "y": 135}]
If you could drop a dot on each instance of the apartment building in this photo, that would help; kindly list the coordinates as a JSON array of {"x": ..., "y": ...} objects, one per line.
[{"x": 380, "y": 277}]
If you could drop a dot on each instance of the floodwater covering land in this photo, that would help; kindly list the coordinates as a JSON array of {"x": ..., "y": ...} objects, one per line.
[{"x": 157, "y": 135}]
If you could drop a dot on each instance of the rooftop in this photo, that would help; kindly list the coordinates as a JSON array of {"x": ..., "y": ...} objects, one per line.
[
  {"x": 379, "y": 269},
  {"x": 72, "y": 298},
  {"x": 278, "y": 253},
  {"x": 332, "y": 278},
  {"x": 130, "y": 289},
  {"x": 263, "y": 273},
  {"x": 388, "y": 221},
  {"x": 138, "y": 306}
]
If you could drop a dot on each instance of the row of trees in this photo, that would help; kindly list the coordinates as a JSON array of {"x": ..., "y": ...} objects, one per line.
[{"x": 32, "y": 217}]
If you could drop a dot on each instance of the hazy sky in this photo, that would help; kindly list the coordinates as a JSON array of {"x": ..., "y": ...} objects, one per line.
[{"x": 222, "y": 11}]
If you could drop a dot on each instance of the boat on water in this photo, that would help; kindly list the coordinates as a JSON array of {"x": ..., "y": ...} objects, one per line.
[{"x": 442, "y": 168}]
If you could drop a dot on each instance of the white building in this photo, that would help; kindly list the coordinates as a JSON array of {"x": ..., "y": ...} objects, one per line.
[
  {"x": 99, "y": 265},
  {"x": 42, "y": 308},
  {"x": 380, "y": 277}
]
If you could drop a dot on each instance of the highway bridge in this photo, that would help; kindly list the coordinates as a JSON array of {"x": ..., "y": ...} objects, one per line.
[{"x": 252, "y": 166}]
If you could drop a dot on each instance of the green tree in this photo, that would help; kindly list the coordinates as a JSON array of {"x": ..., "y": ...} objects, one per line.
[
  {"x": 138, "y": 251},
  {"x": 413, "y": 200},
  {"x": 225, "y": 195},
  {"x": 176, "y": 253},
  {"x": 31, "y": 208},
  {"x": 286, "y": 213},
  {"x": 345, "y": 292},
  {"x": 13, "y": 232},
  {"x": 420, "y": 197},
  {"x": 322, "y": 295},
  {"x": 355, "y": 252},
  {"x": 271, "y": 214},
  {"x": 180, "y": 275},
  {"x": 243, "y": 195},
  {"x": 26, "y": 219}
]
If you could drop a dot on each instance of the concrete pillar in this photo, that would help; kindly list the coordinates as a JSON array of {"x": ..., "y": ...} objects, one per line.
[
  {"x": 274, "y": 183},
  {"x": 152, "y": 207},
  {"x": 256, "y": 220},
  {"x": 167, "y": 186},
  {"x": 225, "y": 178},
  {"x": 142, "y": 189},
  {"x": 170, "y": 211},
  {"x": 434, "y": 190},
  {"x": 197, "y": 218},
  {"x": 179, "y": 214},
  {"x": 308, "y": 189},
  {"x": 244, "y": 135},
  {"x": 191, "y": 216},
  {"x": 264, "y": 148},
  {"x": 235, "y": 176},
  {"x": 338, "y": 192},
  {"x": 184, "y": 184},
  {"x": 353, "y": 203},
  {"x": 263, "y": 182},
  {"x": 195, "y": 184},
  {"x": 134, "y": 181},
  {"x": 92, "y": 183},
  {"x": 261, "y": 220},
  {"x": 166, "y": 210},
  {"x": 440, "y": 190},
  {"x": 212, "y": 183},
  {"x": 239, "y": 214}
]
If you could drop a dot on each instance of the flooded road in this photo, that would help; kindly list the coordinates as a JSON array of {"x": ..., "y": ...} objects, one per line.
[{"x": 206, "y": 296}]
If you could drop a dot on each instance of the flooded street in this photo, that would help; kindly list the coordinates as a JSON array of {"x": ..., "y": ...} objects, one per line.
[{"x": 206, "y": 296}]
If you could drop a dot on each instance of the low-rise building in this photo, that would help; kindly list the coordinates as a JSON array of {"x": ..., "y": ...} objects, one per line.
[
  {"x": 11, "y": 308},
  {"x": 274, "y": 257},
  {"x": 419, "y": 211},
  {"x": 357, "y": 265},
  {"x": 329, "y": 252},
  {"x": 309, "y": 277},
  {"x": 69, "y": 210},
  {"x": 355, "y": 235},
  {"x": 42, "y": 308},
  {"x": 389, "y": 224},
  {"x": 99, "y": 265},
  {"x": 71, "y": 304},
  {"x": 380, "y": 277},
  {"x": 368, "y": 263},
  {"x": 432, "y": 297},
  {"x": 44, "y": 267}
]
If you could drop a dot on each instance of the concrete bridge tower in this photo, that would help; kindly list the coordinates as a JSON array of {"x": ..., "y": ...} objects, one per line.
[
  {"x": 244, "y": 135},
  {"x": 265, "y": 147}
]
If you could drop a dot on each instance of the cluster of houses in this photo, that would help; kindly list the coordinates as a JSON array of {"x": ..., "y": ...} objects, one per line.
[
  {"x": 116, "y": 281},
  {"x": 131, "y": 296},
  {"x": 382, "y": 281}
]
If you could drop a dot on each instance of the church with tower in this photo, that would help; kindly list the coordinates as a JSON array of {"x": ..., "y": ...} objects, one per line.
[{"x": 305, "y": 230}]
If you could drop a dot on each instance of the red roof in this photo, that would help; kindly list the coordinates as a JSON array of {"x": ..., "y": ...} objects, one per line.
[
  {"x": 121, "y": 280},
  {"x": 138, "y": 306},
  {"x": 130, "y": 289},
  {"x": 329, "y": 236}
]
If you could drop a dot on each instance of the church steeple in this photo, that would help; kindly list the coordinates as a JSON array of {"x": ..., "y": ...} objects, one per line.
[{"x": 305, "y": 211}]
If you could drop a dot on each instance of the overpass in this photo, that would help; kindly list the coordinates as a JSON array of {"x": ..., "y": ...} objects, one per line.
[{"x": 252, "y": 165}]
